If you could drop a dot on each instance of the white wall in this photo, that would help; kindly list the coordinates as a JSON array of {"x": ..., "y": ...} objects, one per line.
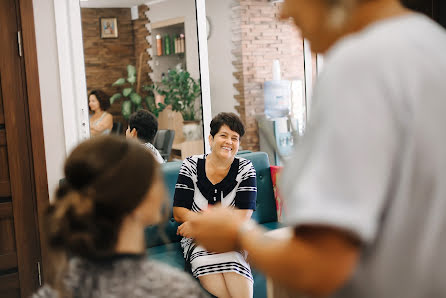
[
  {"x": 180, "y": 8},
  {"x": 53, "y": 128},
  {"x": 220, "y": 56}
]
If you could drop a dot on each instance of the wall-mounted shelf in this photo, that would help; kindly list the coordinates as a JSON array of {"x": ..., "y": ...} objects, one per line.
[
  {"x": 168, "y": 23},
  {"x": 161, "y": 64}
]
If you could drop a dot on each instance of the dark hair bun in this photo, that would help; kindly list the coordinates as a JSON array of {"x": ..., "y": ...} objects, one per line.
[{"x": 106, "y": 179}]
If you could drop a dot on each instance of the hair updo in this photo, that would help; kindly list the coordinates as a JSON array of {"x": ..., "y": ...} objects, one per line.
[{"x": 106, "y": 178}]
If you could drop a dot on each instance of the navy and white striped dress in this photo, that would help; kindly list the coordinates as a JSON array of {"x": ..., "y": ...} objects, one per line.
[{"x": 195, "y": 192}]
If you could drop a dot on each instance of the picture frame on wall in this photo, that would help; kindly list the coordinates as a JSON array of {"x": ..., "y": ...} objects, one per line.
[{"x": 109, "y": 27}]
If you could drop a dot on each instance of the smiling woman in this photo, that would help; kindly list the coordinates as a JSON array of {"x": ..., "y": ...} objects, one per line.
[{"x": 207, "y": 180}]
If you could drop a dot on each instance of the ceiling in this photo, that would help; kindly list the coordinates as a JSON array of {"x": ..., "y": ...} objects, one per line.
[{"x": 116, "y": 3}]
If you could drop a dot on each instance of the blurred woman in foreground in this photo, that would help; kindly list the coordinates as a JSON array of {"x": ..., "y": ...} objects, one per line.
[{"x": 113, "y": 190}]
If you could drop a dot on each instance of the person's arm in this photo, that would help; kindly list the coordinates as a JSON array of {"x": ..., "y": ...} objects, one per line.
[
  {"x": 106, "y": 123},
  {"x": 181, "y": 214},
  {"x": 184, "y": 197},
  {"x": 246, "y": 194},
  {"x": 316, "y": 264},
  {"x": 316, "y": 261},
  {"x": 244, "y": 214}
]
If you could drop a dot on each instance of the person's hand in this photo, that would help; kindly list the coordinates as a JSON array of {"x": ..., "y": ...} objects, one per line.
[
  {"x": 217, "y": 229},
  {"x": 185, "y": 230},
  {"x": 130, "y": 134}
]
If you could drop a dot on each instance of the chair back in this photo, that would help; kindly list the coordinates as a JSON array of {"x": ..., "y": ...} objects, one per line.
[
  {"x": 117, "y": 128},
  {"x": 163, "y": 142}
]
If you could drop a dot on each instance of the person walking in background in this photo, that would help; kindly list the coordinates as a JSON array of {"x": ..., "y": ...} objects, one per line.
[
  {"x": 365, "y": 190},
  {"x": 143, "y": 125},
  {"x": 101, "y": 122},
  {"x": 95, "y": 227}
]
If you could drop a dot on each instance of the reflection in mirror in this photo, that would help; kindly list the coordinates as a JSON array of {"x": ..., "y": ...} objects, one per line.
[
  {"x": 245, "y": 40},
  {"x": 137, "y": 55}
]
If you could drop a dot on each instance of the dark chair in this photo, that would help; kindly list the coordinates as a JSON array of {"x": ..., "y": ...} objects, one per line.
[
  {"x": 163, "y": 142},
  {"x": 117, "y": 128}
]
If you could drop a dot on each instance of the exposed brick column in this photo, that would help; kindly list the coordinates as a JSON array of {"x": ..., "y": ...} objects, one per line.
[
  {"x": 141, "y": 37},
  {"x": 258, "y": 39}
]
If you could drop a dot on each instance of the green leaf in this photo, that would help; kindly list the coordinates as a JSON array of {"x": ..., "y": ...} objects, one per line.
[
  {"x": 126, "y": 92},
  {"x": 119, "y": 82},
  {"x": 115, "y": 97},
  {"x": 126, "y": 109},
  {"x": 131, "y": 74},
  {"x": 135, "y": 98},
  {"x": 131, "y": 70},
  {"x": 131, "y": 80}
]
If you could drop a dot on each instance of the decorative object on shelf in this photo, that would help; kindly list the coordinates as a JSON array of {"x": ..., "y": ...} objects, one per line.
[
  {"x": 109, "y": 27},
  {"x": 167, "y": 45},
  {"x": 159, "y": 45},
  {"x": 134, "y": 100},
  {"x": 181, "y": 91},
  {"x": 179, "y": 44}
]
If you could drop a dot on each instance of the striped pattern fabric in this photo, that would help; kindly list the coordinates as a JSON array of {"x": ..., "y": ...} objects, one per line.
[{"x": 195, "y": 192}]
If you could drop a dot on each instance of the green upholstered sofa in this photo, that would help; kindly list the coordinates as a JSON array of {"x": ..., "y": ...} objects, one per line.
[{"x": 163, "y": 243}]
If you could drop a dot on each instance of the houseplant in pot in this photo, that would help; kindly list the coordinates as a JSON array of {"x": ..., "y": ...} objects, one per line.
[
  {"x": 181, "y": 91},
  {"x": 134, "y": 99}
]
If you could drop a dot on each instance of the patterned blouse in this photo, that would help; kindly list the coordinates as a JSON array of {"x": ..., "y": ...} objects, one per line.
[
  {"x": 195, "y": 192},
  {"x": 124, "y": 276}
]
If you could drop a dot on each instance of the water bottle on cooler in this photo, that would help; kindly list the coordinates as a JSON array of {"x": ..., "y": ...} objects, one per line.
[{"x": 277, "y": 95}]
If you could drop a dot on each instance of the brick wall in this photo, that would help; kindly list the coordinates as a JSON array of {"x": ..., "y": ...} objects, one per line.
[
  {"x": 141, "y": 35},
  {"x": 258, "y": 39},
  {"x": 106, "y": 60}
]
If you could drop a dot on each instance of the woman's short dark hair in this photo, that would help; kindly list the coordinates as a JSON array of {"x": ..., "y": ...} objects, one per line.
[
  {"x": 106, "y": 178},
  {"x": 231, "y": 120},
  {"x": 103, "y": 98},
  {"x": 146, "y": 125}
]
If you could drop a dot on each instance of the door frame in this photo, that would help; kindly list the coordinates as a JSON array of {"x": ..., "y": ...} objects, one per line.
[
  {"x": 35, "y": 121},
  {"x": 26, "y": 151}
]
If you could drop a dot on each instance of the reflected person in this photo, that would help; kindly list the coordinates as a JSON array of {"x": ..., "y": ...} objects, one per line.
[
  {"x": 143, "y": 126},
  {"x": 205, "y": 181},
  {"x": 101, "y": 122},
  {"x": 365, "y": 189}
]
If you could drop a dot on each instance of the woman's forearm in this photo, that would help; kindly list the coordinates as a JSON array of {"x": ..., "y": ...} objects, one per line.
[
  {"x": 244, "y": 213},
  {"x": 182, "y": 214},
  {"x": 307, "y": 268}
]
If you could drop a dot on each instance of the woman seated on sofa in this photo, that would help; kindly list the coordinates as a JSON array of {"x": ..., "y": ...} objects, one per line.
[
  {"x": 217, "y": 178},
  {"x": 113, "y": 190},
  {"x": 101, "y": 122}
]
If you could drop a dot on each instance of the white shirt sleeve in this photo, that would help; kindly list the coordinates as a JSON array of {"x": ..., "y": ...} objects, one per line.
[{"x": 340, "y": 173}]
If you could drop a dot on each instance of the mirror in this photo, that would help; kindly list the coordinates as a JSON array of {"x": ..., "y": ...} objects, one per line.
[
  {"x": 134, "y": 51},
  {"x": 245, "y": 40}
]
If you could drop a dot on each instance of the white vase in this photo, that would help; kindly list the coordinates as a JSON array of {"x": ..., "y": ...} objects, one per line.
[{"x": 192, "y": 130}]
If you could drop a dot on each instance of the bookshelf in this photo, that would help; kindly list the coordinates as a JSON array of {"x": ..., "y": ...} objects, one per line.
[{"x": 162, "y": 63}]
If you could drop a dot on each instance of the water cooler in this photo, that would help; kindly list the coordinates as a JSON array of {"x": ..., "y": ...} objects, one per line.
[
  {"x": 282, "y": 121},
  {"x": 277, "y": 138}
]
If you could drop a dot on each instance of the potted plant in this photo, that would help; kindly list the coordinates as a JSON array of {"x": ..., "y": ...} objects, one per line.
[
  {"x": 133, "y": 99},
  {"x": 180, "y": 91}
]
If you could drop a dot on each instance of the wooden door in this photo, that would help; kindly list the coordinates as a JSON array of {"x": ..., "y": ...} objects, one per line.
[{"x": 19, "y": 245}]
